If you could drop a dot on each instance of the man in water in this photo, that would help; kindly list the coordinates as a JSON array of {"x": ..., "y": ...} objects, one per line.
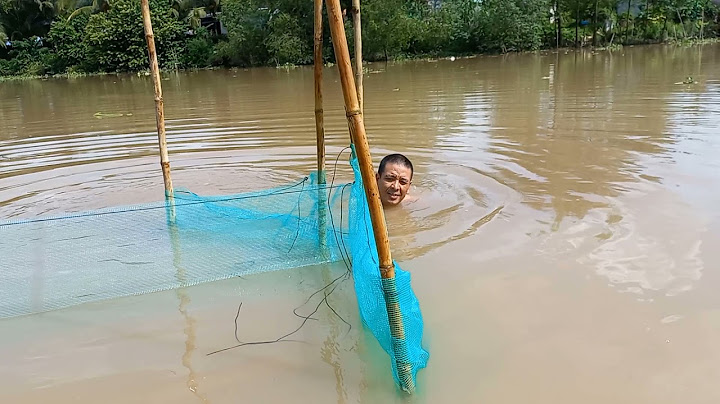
[{"x": 394, "y": 178}]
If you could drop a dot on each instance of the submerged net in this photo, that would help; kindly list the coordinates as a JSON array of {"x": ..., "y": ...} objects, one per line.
[
  {"x": 51, "y": 263},
  {"x": 374, "y": 294}
]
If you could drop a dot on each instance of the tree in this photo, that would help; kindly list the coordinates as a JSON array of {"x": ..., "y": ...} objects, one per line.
[
  {"x": 512, "y": 24},
  {"x": 73, "y": 8},
  {"x": 21, "y": 19},
  {"x": 115, "y": 38},
  {"x": 387, "y": 28}
]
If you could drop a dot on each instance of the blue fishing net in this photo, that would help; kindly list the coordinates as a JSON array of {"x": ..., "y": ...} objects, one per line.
[
  {"x": 50, "y": 263},
  {"x": 375, "y": 295}
]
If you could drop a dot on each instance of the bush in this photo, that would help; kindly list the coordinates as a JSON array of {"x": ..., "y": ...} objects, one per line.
[
  {"x": 246, "y": 22},
  {"x": 68, "y": 44},
  {"x": 26, "y": 58},
  {"x": 199, "y": 51},
  {"x": 430, "y": 29},
  {"x": 464, "y": 21},
  {"x": 387, "y": 28},
  {"x": 263, "y": 31},
  {"x": 652, "y": 30},
  {"x": 511, "y": 25},
  {"x": 115, "y": 39},
  {"x": 285, "y": 42}
]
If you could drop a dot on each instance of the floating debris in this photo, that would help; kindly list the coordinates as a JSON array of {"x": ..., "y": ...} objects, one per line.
[
  {"x": 688, "y": 80},
  {"x": 101, "y": 115}
]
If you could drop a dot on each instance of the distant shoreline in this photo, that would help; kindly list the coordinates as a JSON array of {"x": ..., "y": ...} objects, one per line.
[{"x": 408, "y": 58}]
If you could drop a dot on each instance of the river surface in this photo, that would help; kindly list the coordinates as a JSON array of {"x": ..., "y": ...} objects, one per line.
[{"x": 565, "y": 246}]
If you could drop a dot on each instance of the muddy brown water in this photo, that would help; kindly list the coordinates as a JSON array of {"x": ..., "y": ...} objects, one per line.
[{"x": 565, "y": 246}]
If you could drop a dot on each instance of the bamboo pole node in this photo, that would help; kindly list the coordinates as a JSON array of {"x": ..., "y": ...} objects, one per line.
[
  {"x": 353, "y": 113},
  {"x": 387, "y": 271}
]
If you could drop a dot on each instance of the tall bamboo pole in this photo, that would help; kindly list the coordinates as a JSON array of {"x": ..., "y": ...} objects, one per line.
[
  {"x": 159, "y": 110},
  {"x": 377, "y": 215},
  {"x": 320, "y": 125},
  {"x": 358, "y": 55},
  {"x": 319, "y": 118}
]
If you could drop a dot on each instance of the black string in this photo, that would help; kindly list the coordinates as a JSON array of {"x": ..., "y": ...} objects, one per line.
[
  {"x": 342, "y": 239},
  {"x": 281, "y": 339},
  {"x": 327, "y": 303},
  {"x": 315, "y": 293},
  {"x": 236, "y": 327},
  {"x": 297, "y": 233},
  {"x": 346, "y": 261},
  {"x": 332, "y": 222},
  {"x": 333, "y": 283},
  {"x": 342, "y": 190},
  {"x": 343, "y": 251}
]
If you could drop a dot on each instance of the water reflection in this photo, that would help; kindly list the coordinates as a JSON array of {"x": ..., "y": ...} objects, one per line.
[{"x": 568, "y": 142}]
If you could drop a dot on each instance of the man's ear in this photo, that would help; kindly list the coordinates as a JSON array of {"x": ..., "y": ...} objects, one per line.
[{"x": 377, "y": 176}]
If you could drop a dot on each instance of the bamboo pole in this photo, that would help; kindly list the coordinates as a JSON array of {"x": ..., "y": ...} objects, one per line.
[
  {"x": 159, "y": 110},
  {"x": 320, "y": 126},
  {"x": 377, "y": 215},
  {"x": 358, "y": 55},
  {"x": 319, "y": 118}
]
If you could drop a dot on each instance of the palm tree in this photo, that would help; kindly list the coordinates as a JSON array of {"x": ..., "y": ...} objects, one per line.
[{"x": 73, "y": 8}]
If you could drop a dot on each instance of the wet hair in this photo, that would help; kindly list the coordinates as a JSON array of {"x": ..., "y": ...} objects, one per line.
[{"x": 396, "y": 158}]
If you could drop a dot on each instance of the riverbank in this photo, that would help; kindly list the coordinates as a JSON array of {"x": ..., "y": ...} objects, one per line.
[
  {"x": 398, "y": 59},
  {"x": 108, "y": 36}
]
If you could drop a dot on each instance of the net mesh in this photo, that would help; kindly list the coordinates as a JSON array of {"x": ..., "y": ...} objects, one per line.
[
  {"x": 377, "y": 296},
  {"x": 51, "y": 263}
]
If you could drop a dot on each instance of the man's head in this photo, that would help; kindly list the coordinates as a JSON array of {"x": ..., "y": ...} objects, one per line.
[{"x": 394, "y": 177}]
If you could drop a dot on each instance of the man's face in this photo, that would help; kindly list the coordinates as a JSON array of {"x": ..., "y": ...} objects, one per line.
[{"x": 394, "y": 183}]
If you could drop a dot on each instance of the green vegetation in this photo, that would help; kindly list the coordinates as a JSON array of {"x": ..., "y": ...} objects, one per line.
[{"x": 44, "y": 37}]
